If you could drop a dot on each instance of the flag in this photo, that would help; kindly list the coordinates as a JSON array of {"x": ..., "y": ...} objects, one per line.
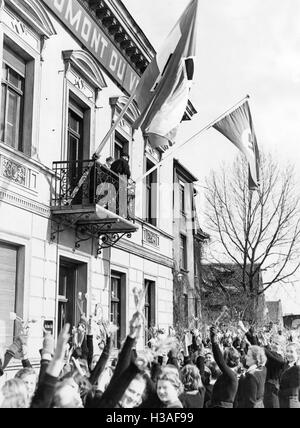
[
  {"x": 238, "y": 128},
  {"x": 163, "y": 91}
]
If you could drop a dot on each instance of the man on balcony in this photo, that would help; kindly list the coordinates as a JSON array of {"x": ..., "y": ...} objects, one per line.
[{"x": 121, "y": 166}]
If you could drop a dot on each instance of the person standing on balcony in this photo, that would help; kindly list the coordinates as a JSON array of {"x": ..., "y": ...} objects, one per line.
[
  {"x": 121, "y": 166},
  {"x": 108, "y": 162}
]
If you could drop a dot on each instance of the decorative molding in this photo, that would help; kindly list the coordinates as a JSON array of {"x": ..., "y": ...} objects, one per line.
[
  {"x": 80, "y": 84},
  {"x": 21, "y": 157},
  {"x": 118, "y": 103},
  {"x": 24, "y": 203},
  {"x": 151, "y": 238},
  {"x": 18, "y": 173},
  {"x": 84, "y": 63},
  {"x": 144, "y": 253},
  {"x": 155, "y": 154},
  {"x": 154, "y": 228},
  {"x": 20, "y": 29},
  {"x": 123, "y": 31},
  {"x": 35, "y": 14},
  {"x": 13, "y": 171}
]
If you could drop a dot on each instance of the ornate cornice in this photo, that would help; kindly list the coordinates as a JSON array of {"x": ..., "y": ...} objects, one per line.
[
  {"x": 83, "y": 62},
  {"x": 24, "y": 203},
  {"x": 123, "y": 31},
  {"x": 119, "y": 103},
  {"x": 35, "y": 14},
  {"x": 144, "y": 253}
]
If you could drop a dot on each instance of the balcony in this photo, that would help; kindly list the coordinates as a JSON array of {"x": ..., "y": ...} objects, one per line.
[{"x": 93, "y": 201}]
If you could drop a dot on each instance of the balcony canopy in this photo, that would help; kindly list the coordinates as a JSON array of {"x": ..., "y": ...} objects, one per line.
[{"x": 93, "y": 201}]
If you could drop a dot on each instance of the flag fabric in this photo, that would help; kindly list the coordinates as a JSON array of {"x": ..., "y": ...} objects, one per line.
[
  {"x": 163, "y": 91},
  {"x": 238, "y": 128}
]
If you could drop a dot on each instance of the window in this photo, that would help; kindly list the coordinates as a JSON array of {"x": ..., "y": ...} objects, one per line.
[
  {"x": 118, "y": 307},
  {"x": 182, "y": 198},
  {"x": 8, "y": 282},
  {"x": 12, "y": 103},
  {"x": 149, "y": 306},
  {"x": 183, "y": 252},
  {"x": 18, "y": 74},
  {"x": 151, "y": 195},
  {"x": 186, "y": 309},
  {"x": 78, "y": 142},
  {"x": 72, "y": 280},
  {"x": 121, "y": 145}
]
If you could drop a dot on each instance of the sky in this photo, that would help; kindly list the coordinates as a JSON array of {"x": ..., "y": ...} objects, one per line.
[{"x": 243, "y": 47}]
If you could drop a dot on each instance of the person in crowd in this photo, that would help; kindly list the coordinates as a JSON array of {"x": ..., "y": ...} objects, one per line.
[
  {"x": 194, "y": 391},
  {"x": 14, "y": 395},
  {"x": 290, "y": 379},
  {"x": 226, "y": 386},
  {"x": 29, "y": 377},
  {"x": 275, "y": 366},
  {"x": 170, "y": 388},
  {"x": 208, "y": 358},
  {"x": 67, "y": 395},
  {"x": 251, "y": 388}
]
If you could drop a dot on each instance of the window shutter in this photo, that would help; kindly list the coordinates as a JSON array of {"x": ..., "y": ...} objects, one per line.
[{"x": 8, "y": 274}]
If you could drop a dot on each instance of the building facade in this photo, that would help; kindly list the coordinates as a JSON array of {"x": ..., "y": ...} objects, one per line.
[
  {"x": 68, "y": 68},
  {"x": 187, "y": 293}
]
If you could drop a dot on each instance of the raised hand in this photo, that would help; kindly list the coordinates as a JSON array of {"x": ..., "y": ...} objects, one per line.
[
  {"x": 56, "y": 365},
  {"x": 144, "y": 359},
  {"x": 48, "y": 346},
  {"x": 62, "y": 343},
  {"x": 213, "y": 334},
  {"x": 135, "y": 326}
]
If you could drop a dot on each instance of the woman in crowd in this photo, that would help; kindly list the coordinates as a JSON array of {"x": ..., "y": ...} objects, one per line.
[
  {"x": 14, "y": 395},
  {"x": 194, "y": 391},
  {"x": 252, "y": 384},
  {"x": 275, "y": 366},
  {"x": 169, "y": 388},
  {"x": 290, "y": 379},
  {"x": 225, "y": 388},
  {"x": 29, "y": 377}
]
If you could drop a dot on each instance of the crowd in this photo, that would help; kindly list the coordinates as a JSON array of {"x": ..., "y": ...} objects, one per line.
[{"x": 231, "y": 367}]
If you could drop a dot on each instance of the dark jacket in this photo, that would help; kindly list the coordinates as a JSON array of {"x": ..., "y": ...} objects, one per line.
[
  {"x": 121, "y": 167},
  {"x": 275, "y": 366},
  {"x": 226, "y": 386},
  {"x": 290, "y": 388},
  {"x": 193, "y": 401},
  {"x": 44, "y": 394},
  {"x": 251, "y": 389}
]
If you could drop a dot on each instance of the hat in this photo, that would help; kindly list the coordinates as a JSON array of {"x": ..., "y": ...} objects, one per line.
[{"x": 124, "y": 154}]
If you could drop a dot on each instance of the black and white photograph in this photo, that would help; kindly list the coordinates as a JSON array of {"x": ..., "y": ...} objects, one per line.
[{"x": 149, "y": 207}]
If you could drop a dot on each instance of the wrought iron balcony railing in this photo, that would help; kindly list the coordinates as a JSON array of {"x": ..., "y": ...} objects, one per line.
[{"x": 100, "y": 187}]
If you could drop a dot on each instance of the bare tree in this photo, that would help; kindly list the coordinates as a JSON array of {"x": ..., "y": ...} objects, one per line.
[{"x": 258, "y": 231}]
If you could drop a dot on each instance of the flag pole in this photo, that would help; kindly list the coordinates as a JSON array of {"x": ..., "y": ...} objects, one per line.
[
  {"x": 205, "y": 128},
  {"x": 100, "y": 147},
  {"x": 115, "y": 125}
]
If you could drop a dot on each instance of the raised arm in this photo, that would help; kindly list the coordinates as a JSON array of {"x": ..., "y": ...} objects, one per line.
[
  {"x": 45, "y": 392},
  {"x": 218, "y": 356},
  {"x": 101, "y": 364},
  {"x": 124, "y": 360}
]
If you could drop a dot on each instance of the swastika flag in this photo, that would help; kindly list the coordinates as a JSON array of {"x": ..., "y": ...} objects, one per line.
[
  {"x": 238, "y": 128},
  {"x": 163, "y": 91}
]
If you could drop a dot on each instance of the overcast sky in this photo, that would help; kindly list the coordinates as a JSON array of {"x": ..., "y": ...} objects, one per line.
[{"x": 244, "y": 47}]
